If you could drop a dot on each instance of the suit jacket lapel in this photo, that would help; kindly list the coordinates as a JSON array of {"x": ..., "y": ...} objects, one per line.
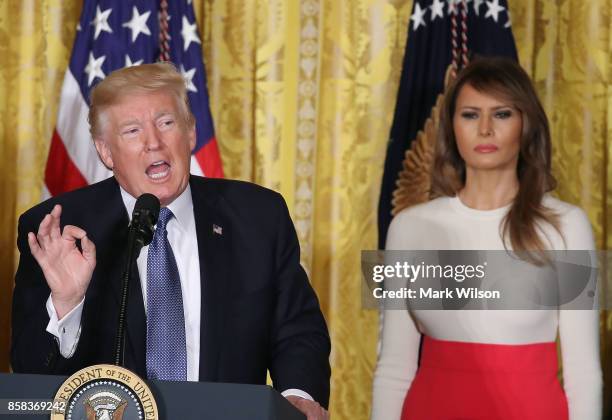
[
  {"x": 114, "y": 246},
  {"x": 214, "y": 241}
]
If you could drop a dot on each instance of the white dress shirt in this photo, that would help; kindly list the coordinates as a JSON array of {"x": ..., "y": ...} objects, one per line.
[{"x": 184, "y": 242}]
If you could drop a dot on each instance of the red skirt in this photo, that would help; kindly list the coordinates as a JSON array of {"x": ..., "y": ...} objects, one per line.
[{"x": 474, "y": 381}]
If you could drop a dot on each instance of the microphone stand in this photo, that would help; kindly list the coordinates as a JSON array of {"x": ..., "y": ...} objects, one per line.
[{"x": 120, "y": 338}]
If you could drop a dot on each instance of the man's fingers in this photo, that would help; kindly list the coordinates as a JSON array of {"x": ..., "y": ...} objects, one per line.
[
  {"x": 311, "y": 409},
  {"x": 56, "y": 211},
  {"x": 54, "y": 226},
  {"x": 72, "y": 233},
  {"x": 43, "y": 232},
  {"x": 89, "y": 249},
  {"x": 43, "y": 228},
  {"x": 34, "y": 246}
]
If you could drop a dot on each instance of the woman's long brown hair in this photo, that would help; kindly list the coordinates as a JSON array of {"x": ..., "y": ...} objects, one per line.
[{"x": 504, "y": 78}]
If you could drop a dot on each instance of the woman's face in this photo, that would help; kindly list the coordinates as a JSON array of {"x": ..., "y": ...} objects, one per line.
[{"x": 487, "y": 130}]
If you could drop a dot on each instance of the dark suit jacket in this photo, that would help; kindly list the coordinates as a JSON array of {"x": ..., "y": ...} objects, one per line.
[{"x": 259, "y": 311}]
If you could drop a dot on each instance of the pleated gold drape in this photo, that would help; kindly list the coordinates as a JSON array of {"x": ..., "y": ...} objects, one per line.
[{"x": 302, "y": 95}]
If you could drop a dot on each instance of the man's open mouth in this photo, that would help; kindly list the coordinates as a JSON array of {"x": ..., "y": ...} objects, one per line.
[{"x": 158, "y": 170}]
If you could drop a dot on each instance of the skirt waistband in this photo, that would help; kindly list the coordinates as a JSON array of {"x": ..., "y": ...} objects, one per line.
[{"x": 481, "y": 357}]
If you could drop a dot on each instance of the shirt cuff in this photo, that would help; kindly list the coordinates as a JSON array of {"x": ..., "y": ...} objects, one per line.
[
  {"x": 67, "y": 330},
  {"x": 297, "y": 393}
]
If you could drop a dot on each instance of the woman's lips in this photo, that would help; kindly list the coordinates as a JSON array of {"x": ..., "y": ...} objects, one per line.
[{"x": 486, "y": 148}]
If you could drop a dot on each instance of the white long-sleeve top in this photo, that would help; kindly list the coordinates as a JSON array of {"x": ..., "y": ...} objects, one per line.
[{"x": 446, "y": 223}]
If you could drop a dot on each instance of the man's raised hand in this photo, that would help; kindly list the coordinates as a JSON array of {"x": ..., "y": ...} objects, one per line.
[{"x": 67, "y": 269}]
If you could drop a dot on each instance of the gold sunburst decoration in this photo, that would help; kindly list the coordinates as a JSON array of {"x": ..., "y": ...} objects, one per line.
[{"x": 413, "y": 185}]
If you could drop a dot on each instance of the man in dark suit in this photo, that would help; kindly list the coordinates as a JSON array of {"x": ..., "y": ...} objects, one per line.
[{"x": 247, "y": 304}]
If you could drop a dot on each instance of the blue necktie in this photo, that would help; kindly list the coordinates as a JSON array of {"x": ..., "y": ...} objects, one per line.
[{"x": 166, "y": 345}]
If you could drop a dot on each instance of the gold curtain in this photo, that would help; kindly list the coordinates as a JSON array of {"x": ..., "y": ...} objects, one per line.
[
  {"x": 35, "y": 43},
  {"x": 566, "y": 46},
  {"x": 302, "y": 95}
]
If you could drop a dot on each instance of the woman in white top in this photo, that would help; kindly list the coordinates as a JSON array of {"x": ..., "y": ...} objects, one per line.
[{"x": 492, "y": 174}]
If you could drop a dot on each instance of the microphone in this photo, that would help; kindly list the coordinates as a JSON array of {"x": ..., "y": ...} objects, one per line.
[
  {"x": 141, "y": 228},
  {"x": 144, "y": 217}
]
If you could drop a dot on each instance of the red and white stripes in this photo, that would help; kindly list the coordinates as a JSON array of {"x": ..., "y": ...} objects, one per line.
[{"x": 73, "y": 161}]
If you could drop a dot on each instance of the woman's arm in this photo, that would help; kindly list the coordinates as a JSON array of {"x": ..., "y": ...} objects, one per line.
[
  {"x": 579, "y": 336},
  {"x": 399, "y": 342},
  {"x": 397, "y": 364}
]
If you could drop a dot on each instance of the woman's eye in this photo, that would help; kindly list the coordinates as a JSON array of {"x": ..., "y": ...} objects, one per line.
[
  {"x": 469, "y": 115},
  {"x": 503, "y": 114}
]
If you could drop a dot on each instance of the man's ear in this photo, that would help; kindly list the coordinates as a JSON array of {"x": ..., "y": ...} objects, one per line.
[
  {"x": 104, "y": 153},
  {"x": 192, "y": 138}
]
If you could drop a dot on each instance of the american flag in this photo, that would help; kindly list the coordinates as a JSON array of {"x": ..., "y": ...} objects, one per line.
[
  {"x": 112, "y": 34},
  {"x": 482, "y": 27}
]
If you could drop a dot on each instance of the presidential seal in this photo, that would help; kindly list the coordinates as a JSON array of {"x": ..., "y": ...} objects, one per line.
[{"x": 104, "y": 392}]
